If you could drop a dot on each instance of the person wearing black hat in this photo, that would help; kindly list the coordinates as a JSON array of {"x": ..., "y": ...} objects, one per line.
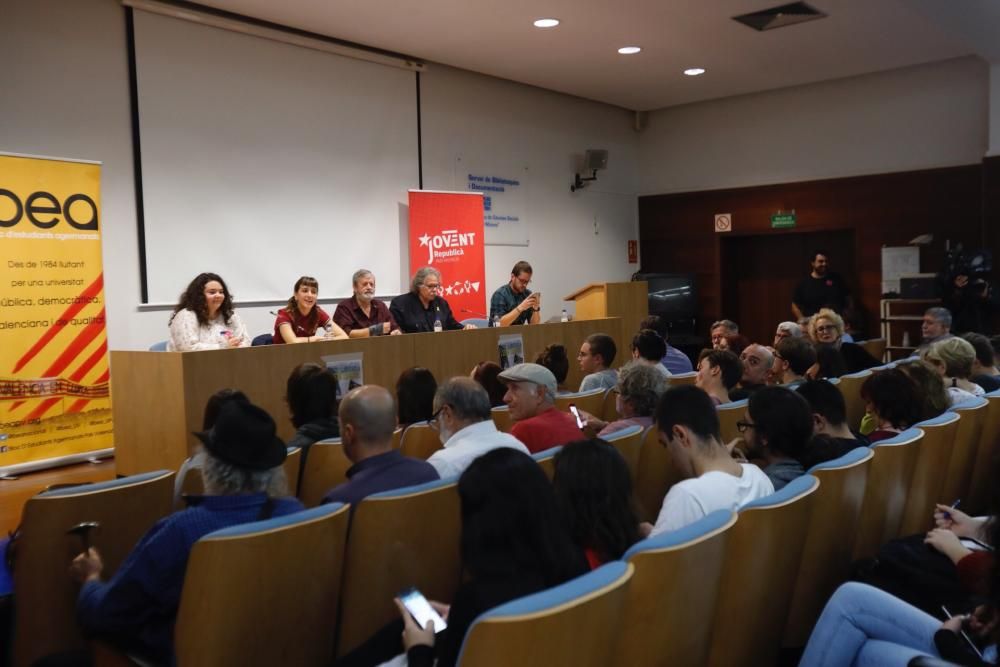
[{"x": 137, "y": 607}]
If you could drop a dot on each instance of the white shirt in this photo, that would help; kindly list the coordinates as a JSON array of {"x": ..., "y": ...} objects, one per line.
[
  {"x": 692, "y": 499},
  {"x": 959, "y": 395},
  {"x": 186, "y": 334},
  {"x": 469, "y": 444}
]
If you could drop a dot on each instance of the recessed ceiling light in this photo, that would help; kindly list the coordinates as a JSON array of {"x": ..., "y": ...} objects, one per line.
[
  {"x": 629, "y": 50},
  {"x": 546, "y": 23},
  {"x": 695, "y": 71}
]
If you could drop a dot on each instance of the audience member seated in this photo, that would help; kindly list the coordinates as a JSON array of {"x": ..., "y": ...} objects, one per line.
[
  {"x": 827, "y": 328},
  {"x": 596, "y": 356},
  {"x": 311, "y": 393},
  {"x": 302, "y": 318},
  {"x": 648, "y": 349},
  {"x": 531, "y": 393},
  {"x": 891, "y": 399},
  {"x": 787, "y": 330},
  {"x": 368, "y": 418},
  {"x": 719, "y": 371},
  {"x": 829, "y": 364},
  {"x": 465, "y": 426},
  {"x": 594, "y": 493},
  {"x": 720, "y": 330},
  {"x": 735, "y": 343},
  {"x": 689, "y": 427},
  {"x": 197, "y": 460},
  {"x": 204, "y": 318},
  {"x": 776, "y": 428},
  {"x": 415, "y": 395},
  {"x": 832, "y": 437},
  {"x": 931, "y": 394},
  {"x": 673, "y": 359},
  {"x": 135, "y": 609},
  {"x": 936, "y": 326},
  {"x": 757, "y": 361},
  {"x": 984, "y": 370},
  {"x": 514, "y": 543},
  {"x": 952, "y": 358},
  {"x": 362, "y": 315},
  {"x": 639, "y": 388},
  {"x": 973, "y": 566},
  {"x": 792, "y": 358},
  {"x": 485, "y": 373},
  {"x": 554, "y": 358}
]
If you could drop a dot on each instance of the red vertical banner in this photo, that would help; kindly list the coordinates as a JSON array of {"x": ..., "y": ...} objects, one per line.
[{"x": 446, "y": 232}]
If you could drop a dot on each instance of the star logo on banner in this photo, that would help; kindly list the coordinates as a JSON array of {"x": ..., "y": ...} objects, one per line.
[{"x": 425, "y": 239}]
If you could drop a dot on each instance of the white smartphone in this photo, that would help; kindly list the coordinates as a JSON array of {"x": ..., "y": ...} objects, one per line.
[
  {"x": 421, "y": 609},
  {"x": 965, "y": 635},
  {"x": 580, "y": 423}
]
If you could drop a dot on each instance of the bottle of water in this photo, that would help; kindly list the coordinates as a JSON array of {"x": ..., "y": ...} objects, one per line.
[
  {"x": 564, "y": 317},
  {"x": 495, "y": 322},
  {"x": 437, "y": 320}
]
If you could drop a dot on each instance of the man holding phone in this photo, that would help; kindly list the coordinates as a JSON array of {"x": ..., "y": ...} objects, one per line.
[{"x": 514, "y": 303}]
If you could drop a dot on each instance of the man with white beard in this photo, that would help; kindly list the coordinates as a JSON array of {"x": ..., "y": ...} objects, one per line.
[{"x": 362, "y": 315}]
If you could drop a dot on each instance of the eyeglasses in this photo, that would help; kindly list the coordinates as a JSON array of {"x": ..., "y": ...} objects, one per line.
[
  {"x": 523, "y": 282},
  {"x": 742, "y": 426},
  {"x": 434, "y": 422},
  {"x": 433, "y": 288},
  {"x": 825, "y": 328}
]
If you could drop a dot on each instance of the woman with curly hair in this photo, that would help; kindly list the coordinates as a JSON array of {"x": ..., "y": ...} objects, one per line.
[
  {"x": 826, "y": 328},
  {"x": 892, "y": 400},
  {"x": 204, "y": 318},
  {"x": 638, "y": 390},
  {"x": 299, "y": 321}
]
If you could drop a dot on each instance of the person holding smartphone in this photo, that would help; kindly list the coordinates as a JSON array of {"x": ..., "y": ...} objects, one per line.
[{"x": 514, "y": 303}]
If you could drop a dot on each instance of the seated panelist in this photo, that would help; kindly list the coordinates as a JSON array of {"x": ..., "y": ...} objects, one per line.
[
  {"x": 514, "y": 303},
  {"x": 204, "y": 318},
  {"x": 362, "y": 315},
  {"x": 299, "y": 321},
  {"x": 418, "y": 310}
]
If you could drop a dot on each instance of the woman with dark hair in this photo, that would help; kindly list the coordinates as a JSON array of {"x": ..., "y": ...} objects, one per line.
[
  {"x": 302, "y": 317},
  {"x": 311, "y": 394},
  {"x": 931, "y": 394},
  {"x": 415, "y": 395},
  {"x": 829, "y": 364},
  {"x": 555, "y": 359},
  {"x": 719, "y": 371},
  {"x": 594, "y": 493},
  {"x": 485, "y": 373},
  {"x": 891, "y": 398},
  {"x": 514, "y": 543},
  {"x": 204, "y": 318},
  {"x": 777, "y": 426}
]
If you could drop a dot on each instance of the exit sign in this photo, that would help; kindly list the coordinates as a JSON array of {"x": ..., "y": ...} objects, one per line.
[{"x": 781, "y": 220}]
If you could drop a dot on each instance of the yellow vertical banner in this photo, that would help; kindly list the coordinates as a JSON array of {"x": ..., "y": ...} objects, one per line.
[{"x": 54, "y": 376}]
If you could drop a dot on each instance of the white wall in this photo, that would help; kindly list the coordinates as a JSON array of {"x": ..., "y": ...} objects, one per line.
[
  {"x": 914, "y": 118},
  {"x": 65, "y": 91}
]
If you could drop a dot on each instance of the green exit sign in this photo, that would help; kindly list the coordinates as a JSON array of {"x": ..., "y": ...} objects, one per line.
[{"x": 780, "y": 220}]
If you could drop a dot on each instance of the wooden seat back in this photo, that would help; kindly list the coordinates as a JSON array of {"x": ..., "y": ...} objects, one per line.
[
  {"x": 958, "y": 480},
  {"x": 326, "y": 467},
  {"x": 874, "y": 347},
  {"x": 501, "y": 418},
  {"x": 929, "y": 473},
  {"x": 655, "y": 475},
  {"x": 591, "y": 401},
  {"x": 850, "y": 389},
  {"x": 729, "y": 414},
  {"x": 679, "y": 379},
  {"x": 628, "y": 442},
  {"x": 984, "y": 466},
  {"x": 419, "y": 441}
]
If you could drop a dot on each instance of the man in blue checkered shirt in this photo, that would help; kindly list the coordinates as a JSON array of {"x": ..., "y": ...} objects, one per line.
[{"x": 514, "y": 303}]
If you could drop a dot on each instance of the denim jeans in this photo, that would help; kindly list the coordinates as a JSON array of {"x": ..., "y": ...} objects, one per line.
[{"x": 862, "y": 625}]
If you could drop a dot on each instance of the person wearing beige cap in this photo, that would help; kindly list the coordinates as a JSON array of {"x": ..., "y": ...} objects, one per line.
[{"x": 531, "y": 393}]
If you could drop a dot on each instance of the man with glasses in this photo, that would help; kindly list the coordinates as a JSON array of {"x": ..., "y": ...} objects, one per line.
[
  {"x": 514, "y": 303},
  {"x": 419, "y": 309},
  {"x": 777, "y": 425},
  {"x": 463, "y": 420},
  {"x": 689, "y": 428},
  {"x": 792, "y": 358}
]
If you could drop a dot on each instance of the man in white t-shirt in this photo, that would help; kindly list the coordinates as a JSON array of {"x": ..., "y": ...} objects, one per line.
[
  {"x": 465, "y": 426},
  {"x": 689, "y": 428}
]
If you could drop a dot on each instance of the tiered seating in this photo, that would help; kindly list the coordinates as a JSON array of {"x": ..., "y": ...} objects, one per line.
[
  {"x": 326, "y": 467},
  {"x": 963, "y": 453},
  {"x": 850, "y": 389},
  {"x": 929, "y": 472},
  {"x": 989, "y": 442},
  {"x": 628, "y": 442}
]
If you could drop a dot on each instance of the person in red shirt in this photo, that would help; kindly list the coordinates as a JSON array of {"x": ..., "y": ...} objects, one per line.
[
  {"x": 531, "y": 394},
  {"x": 299, "y": 321}
]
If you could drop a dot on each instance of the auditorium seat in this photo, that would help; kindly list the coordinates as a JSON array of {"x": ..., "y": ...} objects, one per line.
[
  {"x": 591, "y": 401},
  {"x": 929, "y": 473},
  {"x": 501, "y": 418},
  {"x": 574, "y": 624},
  {"x": 628, "y": 442},
  {"x": 963, "y": 454},
  {"x": 763, "y": 554},
  {"x": 262, "y": 339},
  {"x": 326, "y": 467},
  {"x": 401, "y": 538},
  {"x": 609, "y": 411},
  {"x": 45, "y": 603},
  {"x": 419, "y": 441},
  {"x": 729, "y": 414},
  {"x": 655, "y": 476},
  {"x": 264, "y": 593},
  {"x": 982, "y": 470},
  {"x": 678, "y": 379},
  {"x": 670, "y": 607},
  {"x": 850, "y": 389},
  {"x": 547, "y": 460},
  {"x": 826, "y": 556},
  {"x": 161, "y": 346},
  {"x": 874, "y": 347}
]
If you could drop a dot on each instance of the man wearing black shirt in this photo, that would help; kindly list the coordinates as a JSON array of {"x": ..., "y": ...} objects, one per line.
[
  {"x": 822, "y": 288},
  {"x": 417, "y": 310}
]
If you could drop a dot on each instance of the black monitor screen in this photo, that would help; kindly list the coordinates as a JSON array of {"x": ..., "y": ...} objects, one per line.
[{"x": 672, "y": 296}]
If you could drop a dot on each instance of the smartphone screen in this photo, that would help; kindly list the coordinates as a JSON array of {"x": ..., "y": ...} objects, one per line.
[
  {"x": 576, "y": 413},
  {"x": 421, "y": 609},
  {"x": 965, "y": 635}
]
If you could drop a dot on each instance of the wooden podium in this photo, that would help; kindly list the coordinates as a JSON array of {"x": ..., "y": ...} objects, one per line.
[{"x": 629, "y": 301}]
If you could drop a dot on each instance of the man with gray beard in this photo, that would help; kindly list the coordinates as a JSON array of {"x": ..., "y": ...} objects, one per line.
[{"x": 362, "y": 315}]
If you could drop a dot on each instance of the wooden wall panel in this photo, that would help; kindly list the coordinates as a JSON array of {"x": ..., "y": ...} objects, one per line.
[{"x": 677, "y": 230}]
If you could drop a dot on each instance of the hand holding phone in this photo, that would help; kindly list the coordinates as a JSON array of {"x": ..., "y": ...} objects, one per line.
[
  {"x": 421, "y": 609},
  {"x": 580, "y": 421}
]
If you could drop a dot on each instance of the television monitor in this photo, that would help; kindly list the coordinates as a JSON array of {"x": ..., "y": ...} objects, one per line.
[{"x": 672, "y": 296}]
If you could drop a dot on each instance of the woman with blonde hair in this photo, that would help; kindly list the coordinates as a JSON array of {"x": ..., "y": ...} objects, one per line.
[
  {"x": 826, "y": 328},
  {"x": 952, "y": 358}
]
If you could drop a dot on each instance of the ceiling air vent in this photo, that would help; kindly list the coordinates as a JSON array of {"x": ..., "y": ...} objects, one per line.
[{"x": 779, "y": 17}]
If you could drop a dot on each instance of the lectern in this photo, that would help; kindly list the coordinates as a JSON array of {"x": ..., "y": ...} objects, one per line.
[{"x": 629, "y": 301}]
